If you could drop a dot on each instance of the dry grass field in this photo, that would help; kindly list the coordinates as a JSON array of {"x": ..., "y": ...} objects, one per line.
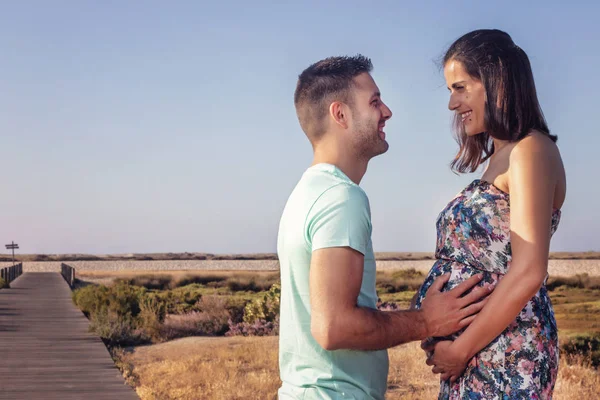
[{"x": 246, "y": 368}]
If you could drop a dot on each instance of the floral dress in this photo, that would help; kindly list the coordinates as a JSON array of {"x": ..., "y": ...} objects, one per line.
[{"x": 473, "y": 236}]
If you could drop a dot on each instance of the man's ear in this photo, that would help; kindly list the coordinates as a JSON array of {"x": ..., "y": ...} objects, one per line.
[{"x": 340, "y": 113}]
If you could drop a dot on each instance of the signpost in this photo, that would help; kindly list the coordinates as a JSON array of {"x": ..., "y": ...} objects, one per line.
[{"x": 13, "y": 246}]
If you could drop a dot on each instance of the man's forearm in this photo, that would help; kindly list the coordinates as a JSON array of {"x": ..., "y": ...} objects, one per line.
[{"x": 368, "y": 329}]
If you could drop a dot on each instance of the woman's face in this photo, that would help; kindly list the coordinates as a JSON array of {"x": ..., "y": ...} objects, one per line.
[{"x": 467, "y": 97}]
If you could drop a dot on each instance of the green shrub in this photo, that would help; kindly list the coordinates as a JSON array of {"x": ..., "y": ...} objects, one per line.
[
  {"x": 265, "y": 307},
  {"x": 181, "y": 300},
  {"x": 4, "y": 284},
  {"x": 125, "y": 299},
  {"x": 121, "y": 314},
  {"x": 151, "y": 317},
  {"x": 120, "y": 298},
  {"x": 217, "y": 315},
  {"x": 235, "y": 307},
  {"x": 211, "y": 319},
  {"x": 91, "y": 299},
  {"x": 115, "y": 329}
]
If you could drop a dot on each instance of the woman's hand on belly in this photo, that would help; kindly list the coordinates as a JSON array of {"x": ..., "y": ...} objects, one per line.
[{"x": 447, "y": 360}]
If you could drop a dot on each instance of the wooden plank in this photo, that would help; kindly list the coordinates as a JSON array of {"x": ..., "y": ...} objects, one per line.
[{"x": 46, "y": 351}]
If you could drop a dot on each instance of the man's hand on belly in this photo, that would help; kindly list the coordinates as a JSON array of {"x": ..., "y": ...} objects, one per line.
[{"x": 448, "y": 312}]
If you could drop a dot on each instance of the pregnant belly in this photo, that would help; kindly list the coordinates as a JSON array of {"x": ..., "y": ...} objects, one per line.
[
  {"x": 458, "y": 273},
  {"x": 539, "y": 308}
]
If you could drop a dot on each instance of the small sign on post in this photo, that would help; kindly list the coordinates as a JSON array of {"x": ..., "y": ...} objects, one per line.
[{"x": 13, "y": 246}]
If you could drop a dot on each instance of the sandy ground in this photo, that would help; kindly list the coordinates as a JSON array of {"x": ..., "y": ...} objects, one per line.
[{"x": 555, "y": 267}]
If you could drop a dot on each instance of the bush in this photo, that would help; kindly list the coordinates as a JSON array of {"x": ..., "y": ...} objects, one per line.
[
  {"x": 265, "y": 308},
  {"x": 581, "y": 281},
  {"x": 151, "y": 282},
  {"x": 91, "y": 299},
  {"x": 252, "y": 283},
  {"x": 125, "y": 299},
  {"x": 122, "y": 314},
  {"x": 183, "y": 325},
  {"x": 399, "y": 281},
  {"x": 212, "y": 320},
  {"x": 242, "y": 281},
  {"x": 260, "y": 317},
  {"x": 213, "y": 280},
  {"x": 215, "y": 309},
  {"x": 115, "y": 329},
  {"x": 123, "y": 361},
  {"x": 151, "y": 317},
  {"x": 121, "y": 298},
  {"x": 259, "y": 327},
  {"x": 235, "y": 308},
  {"x": 244, "y": 285},
  {"x": 181, "y": 300},
  {"x": 583, "y": 347},
  {"x": 4, "y": 284}
]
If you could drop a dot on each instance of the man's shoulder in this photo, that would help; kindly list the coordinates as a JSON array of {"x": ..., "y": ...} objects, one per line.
[
  {"x": 342, "y": 208},
  {"x": 329, "y": 178},
  {"x": 346, "y": 192},
  {"x": 320, "y": 193},
  {"x": 331, "y": 184}
]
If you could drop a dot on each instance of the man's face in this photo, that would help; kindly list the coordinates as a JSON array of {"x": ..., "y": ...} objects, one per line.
[{"x": 369, "y": 115}]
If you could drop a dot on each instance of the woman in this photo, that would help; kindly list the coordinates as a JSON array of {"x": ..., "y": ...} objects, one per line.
[{"x": 499, "y": 225}]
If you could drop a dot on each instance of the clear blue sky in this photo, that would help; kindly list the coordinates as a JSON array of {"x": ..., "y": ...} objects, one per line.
[{"x": 169, "y": 126}]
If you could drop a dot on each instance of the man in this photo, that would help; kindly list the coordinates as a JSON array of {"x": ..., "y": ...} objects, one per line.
[{"x": 333, "y": 340}]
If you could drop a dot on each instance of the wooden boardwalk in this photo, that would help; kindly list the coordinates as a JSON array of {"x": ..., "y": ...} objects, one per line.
[{"x": 46, "y": 351}]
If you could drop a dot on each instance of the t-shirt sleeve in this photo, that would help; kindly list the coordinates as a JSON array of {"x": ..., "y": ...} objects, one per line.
[{"x": 340, "y": 217}]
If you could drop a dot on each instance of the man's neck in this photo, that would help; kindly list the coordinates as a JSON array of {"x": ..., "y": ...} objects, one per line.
[{"x": 354, "y": 168}]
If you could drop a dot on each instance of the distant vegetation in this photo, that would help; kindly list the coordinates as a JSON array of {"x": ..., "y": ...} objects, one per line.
[{"x": 381, "y": 256}]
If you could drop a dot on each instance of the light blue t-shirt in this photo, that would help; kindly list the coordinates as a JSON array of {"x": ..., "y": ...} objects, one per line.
[{"x": 325, "y": 209}]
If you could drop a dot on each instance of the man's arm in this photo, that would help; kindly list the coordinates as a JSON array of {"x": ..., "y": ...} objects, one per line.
[{"x": 338, "y": 323}]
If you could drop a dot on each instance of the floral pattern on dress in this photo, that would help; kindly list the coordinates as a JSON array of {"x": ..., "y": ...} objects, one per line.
[{"x": 473, "y": 236}]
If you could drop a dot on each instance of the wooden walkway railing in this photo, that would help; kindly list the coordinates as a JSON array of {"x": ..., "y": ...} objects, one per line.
[
  {"x": 68, "y": 273},
  {"x": 46, "y": 350},
  {"x": 9, "y": 274}
]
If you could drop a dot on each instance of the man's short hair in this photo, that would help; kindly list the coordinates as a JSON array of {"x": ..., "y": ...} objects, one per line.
[{"x": 321, "y": 84}]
